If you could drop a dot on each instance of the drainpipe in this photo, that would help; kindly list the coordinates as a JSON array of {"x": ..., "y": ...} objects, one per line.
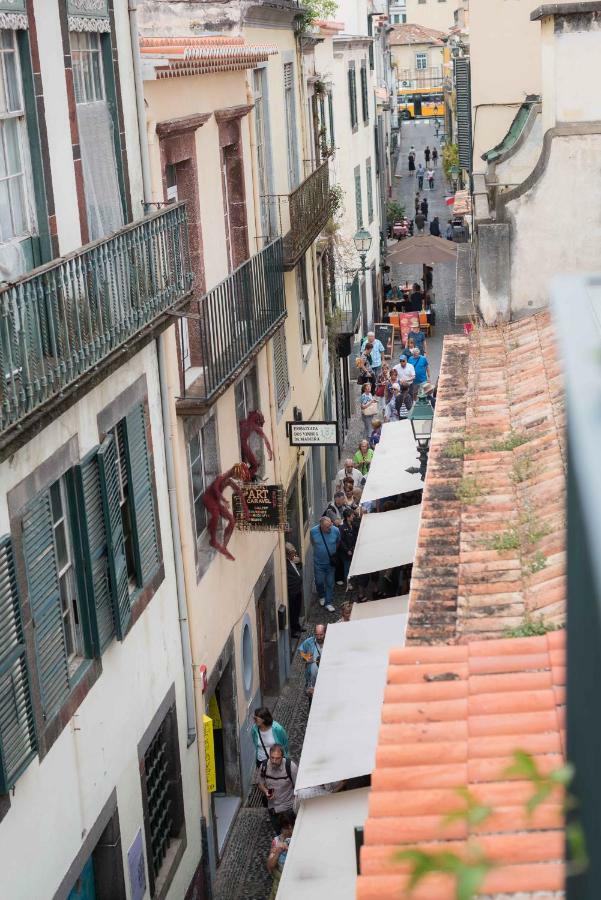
[
  {"x": 141, "y": 111},
  {"x": 168, "y": 428}
]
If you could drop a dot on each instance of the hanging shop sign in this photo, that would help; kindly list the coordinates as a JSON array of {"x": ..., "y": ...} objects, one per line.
[
  {"x": 313, "y": 434},
  {"x": 207, "y": 723},
  {"x": 266, "y": 505}
]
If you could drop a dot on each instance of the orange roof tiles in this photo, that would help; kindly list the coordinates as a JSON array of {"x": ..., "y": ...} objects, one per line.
[
  {"x": 411, "y": 33},
  {"x": 491, "y": 546},
  {"x": 439, "y": 735},
  {"x": 202, "y": 55}
]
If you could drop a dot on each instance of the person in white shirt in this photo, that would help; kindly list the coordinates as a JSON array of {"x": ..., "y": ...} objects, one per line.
[
  {"x": 405, "y": 371},
  {"x": 349, "y": 471}
]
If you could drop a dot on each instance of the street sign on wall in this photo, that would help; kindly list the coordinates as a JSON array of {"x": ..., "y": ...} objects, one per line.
[{"x": 313, "y": 434}]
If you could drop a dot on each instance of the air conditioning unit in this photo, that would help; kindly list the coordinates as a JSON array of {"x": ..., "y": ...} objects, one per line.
[{"x": 406, "y": 84}]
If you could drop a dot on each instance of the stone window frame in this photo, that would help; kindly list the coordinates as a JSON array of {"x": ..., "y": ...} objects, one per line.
[
  {"x": 233, "y": 183},
  {"x": 203, "y": 552}
]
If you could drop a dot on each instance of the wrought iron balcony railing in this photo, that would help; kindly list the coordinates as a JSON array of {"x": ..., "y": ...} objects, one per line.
[
  {"x": 309, "y": 209},
  {"x": 66, "y": 319},
  {"x": 346, "y": 313},
  {"x": 236, "y": 318},
  {"x": 430, "y": 77}
]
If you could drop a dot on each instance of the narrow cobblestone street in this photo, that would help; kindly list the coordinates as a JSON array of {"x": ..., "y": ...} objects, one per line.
[{"x": 242, "y": 874}]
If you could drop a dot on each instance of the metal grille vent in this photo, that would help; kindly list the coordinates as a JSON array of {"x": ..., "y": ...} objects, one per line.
[{"x": 156, "y": 766}]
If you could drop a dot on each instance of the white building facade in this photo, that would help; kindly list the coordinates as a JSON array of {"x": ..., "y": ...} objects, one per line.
[{"x": 99, "y": 789}]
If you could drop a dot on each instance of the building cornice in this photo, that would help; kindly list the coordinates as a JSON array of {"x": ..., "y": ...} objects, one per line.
[
  {"x": 181, "y": 125},
  {"x": 565, "y": 9}
]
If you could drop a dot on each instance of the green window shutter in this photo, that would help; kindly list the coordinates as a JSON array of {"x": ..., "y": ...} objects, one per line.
[
  {"x": 113, "y": 527},
  {"x": 95, "y": 550},
  {"x": 139, "y": 479},
  {"x": 45, "y": 602},
  {"x": 17, "y": 727}
]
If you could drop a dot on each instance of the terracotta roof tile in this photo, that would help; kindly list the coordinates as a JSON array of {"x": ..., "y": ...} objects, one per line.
[
  {"x": 495, "y": 697},
  {"x": 496, "y": 385},
  {"x": 202, "y": 55},
  {"x": 411, "y": 33}
]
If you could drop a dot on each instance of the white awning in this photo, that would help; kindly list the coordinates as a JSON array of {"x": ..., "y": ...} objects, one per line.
[
  {"x": 386, "y": 540},
  {"x": 344, "y": 721},
  {"x": 395, "y": 453},
  {"x": 322, "y": 860},
  {"x": 374, "y": 609}
]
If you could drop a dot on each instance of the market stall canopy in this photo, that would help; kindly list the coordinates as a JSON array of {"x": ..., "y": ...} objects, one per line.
[
  {"x": 423, "y": 248},
  {"x": 462, "y": 204},
  {"x": 344, "y": 721},
  {"x": 375, "y": 609},
  {"x": 395, "y": 453},
  {"x": 386, "y": 540},
  {"x": 322, "y": 862}
]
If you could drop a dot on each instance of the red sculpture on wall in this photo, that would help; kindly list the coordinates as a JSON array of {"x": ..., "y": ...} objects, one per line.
[
  {"x": 218, "y": 507},
  {"x": 253, "y": 424}
]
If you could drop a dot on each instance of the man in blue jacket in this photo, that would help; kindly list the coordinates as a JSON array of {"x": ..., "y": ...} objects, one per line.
[{"x": 325, "y": 538}]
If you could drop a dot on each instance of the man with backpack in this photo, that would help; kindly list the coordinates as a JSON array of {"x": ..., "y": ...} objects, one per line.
[{"x": 277, "y": 777}]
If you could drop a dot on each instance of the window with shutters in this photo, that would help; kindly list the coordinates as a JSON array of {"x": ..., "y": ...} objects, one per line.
[
  {"x": 364, "y": 94},
  {"x": 352, "y": 93},
  {"x": 136, "y": 498},
  {"x": 370, "y": 194},
  {"x": 304, "y": 311},
  {"x": 16, "y": 219},
  {"x": 63, "y": 551},
  {"x": 280, "y": 368},
  {"x": 203, "y": 460},
  {"x": 163, "y": 804},
  {"x": 17, "y": 729},
  {"x": 290, "y": 114}
]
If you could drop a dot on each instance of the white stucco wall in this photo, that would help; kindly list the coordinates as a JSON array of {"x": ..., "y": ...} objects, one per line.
[
  {"x": 56, "y": 802},
  {"x": 432, "y": 13},
  {"x": 520, "y": 164},
  {"x": 505, "y": 66},
  {"x": 556, "y": 226}
]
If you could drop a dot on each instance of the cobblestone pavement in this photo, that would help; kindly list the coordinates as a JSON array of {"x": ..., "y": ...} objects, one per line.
[{"x": 242, "y": 874}]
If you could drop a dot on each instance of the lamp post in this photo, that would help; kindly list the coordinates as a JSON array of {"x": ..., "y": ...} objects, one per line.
[
  {"x": 362, "y": 241},
  {"x": 421, "y": 417}
]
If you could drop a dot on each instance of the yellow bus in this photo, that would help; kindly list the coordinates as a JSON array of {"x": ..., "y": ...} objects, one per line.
[{"x": 418, "y": 105}]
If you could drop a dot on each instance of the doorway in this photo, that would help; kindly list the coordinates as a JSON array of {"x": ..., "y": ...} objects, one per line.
[
  {"x": 226, "y": 797},
  {"x": 267, "y": 629}
]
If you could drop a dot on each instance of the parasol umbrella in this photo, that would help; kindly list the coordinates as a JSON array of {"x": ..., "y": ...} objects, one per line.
[{"x": 423, "y": 248}]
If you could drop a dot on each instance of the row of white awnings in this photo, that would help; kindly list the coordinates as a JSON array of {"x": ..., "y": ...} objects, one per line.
[{"x": 344, "y": 721}]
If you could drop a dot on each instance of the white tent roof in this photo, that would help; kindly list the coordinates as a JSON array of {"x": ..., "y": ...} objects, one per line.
[
  {"x": 385, "y": 540},
  {"x": 344, "y": 721},
  {"x": 395, "y": 453},
  {"x": 322, "y": 862},
  {"x": 374, "y": 609}
]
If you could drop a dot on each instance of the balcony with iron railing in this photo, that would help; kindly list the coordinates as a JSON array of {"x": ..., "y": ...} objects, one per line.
[
  {"x": 429, "y": 78},
  {"x": 308, "y": 208},
  {"x": 66, "y": 325},
  {"x": 346, "y": 312},
  {"x": 235, "y": 320}
]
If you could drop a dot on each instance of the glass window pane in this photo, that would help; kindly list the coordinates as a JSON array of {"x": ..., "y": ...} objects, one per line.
[
  {"x": 61, "y": 545},
  {"x": 17, "y": 203},
  {"x": 13, "y": 94},
  {"x": 6, "y": 38},
  {"x": 194, "y": 448},
  {"x": 200, "y": 516},
  {"x": 6, "y": 225},
  {"x": 13, "y": 150},
  {"x": 198, "y": 481},
  {"x": 56, "y": 501},
  {"x": 97, "y": 76}
]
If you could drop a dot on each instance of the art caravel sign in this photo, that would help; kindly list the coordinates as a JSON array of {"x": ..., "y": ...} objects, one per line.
[{"x": 266, "y": 508}]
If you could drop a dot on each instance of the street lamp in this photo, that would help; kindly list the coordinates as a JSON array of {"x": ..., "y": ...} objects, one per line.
[
  {"x": 421, "y": 417},
  {"x": 362, "y": 241}
]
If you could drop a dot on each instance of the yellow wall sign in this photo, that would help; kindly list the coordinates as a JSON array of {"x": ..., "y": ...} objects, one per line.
[{"x": 209, "y": 754}]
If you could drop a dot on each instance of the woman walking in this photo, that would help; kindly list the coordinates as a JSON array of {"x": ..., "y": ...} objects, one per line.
[
  {"x": 369, "y": 408},
  {"x": 363, "y": 457}
]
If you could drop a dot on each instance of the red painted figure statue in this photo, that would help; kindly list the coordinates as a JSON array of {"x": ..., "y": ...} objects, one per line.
[
  {"x": 218, "y": 507},
  {"x": 253, "y": 424}
]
